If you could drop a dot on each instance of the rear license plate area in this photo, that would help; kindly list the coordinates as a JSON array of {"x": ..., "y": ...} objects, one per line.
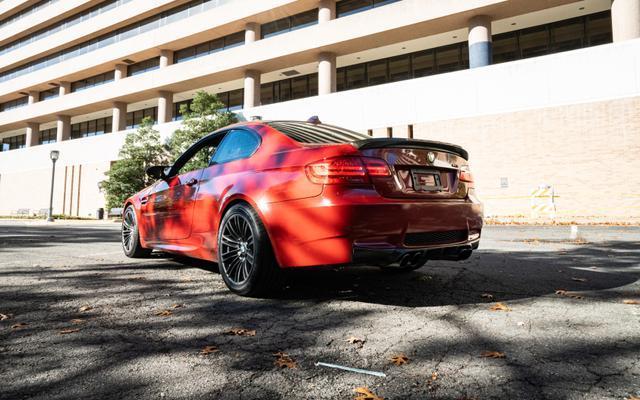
[{"x": 426, "y": 181}]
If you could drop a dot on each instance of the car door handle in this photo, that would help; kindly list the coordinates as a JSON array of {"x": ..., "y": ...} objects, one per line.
[
  {"x": 144, "y": 200},
  {"x": 192, "y": 182}
]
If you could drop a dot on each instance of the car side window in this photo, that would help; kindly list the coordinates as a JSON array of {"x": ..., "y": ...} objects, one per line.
[
  {"x": 199, "y": 160},
  {"x": 197, "y": 156},
  {"x": 237, "y": 144}
]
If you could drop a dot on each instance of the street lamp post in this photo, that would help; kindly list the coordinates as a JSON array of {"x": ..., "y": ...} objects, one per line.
[{"x": 55, "y": 154}]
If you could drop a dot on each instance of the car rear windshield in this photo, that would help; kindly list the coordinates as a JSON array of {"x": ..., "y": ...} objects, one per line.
[{"x": 305, "y": 132}]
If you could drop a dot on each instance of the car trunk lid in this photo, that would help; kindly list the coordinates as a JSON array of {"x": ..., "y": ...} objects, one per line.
[{"x": 419, "y": 168}]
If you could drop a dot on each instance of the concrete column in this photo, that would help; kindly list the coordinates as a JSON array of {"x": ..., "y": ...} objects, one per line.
[
  {"x": 326, "y": 73},
  {"x": 480, "y": 51},
  {"x": 326, "y": 11},
  {"x": 625, "y": 18},
  {"x": 251, "y": 32},
  {"x": 165, "y": 107},
  {"x": 34, "y": 96},
  {"x": 33, "y": 134},
  {"x": 119, "y": 117},
  {"x": 120, "y": 72},
  {"x": 64, "y": 128},
  {"x": 166, "y": 58},
  {"x": 65, "y": 88},
  {"x": 251, "y": 89}
]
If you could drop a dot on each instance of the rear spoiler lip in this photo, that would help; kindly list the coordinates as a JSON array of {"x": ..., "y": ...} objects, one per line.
[{"x": 378, "y": 143}]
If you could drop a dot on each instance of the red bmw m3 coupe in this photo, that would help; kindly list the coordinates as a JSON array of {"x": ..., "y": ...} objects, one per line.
[{"x": 259, "y": 197}]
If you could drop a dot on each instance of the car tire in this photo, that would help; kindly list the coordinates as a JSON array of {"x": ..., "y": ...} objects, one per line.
[
  {"x": 130, "y": 235},
  {"x": 245, "y": 257}
]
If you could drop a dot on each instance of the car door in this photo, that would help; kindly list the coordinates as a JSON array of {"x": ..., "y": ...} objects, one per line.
[
  {"x": 169, "y": 207},
  {"x": 230, "y": 173}
]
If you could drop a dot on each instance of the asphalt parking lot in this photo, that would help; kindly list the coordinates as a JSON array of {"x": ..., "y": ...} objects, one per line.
[{"x": 82, "y": 321}]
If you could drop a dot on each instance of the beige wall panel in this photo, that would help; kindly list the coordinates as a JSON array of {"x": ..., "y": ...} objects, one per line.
[
  {"x": 379, "y": 132},
  {"x": 91, "y": 197},
  {"x": 35, "y": 186},
  {"x": 401, "y": 131}
]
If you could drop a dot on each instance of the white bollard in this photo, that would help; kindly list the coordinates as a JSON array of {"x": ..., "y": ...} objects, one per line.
[{"x": 574, "y": 232}]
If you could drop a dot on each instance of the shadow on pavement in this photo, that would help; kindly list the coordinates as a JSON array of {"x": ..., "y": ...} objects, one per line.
[
  {"x": 123, "y": 328},
  {"x": 21, "y": 237},
  {"x": 508, "y": 276}
]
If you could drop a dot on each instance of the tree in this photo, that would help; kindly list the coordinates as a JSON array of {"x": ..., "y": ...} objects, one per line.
[
  {"x": 204, "y": 115},
  {"x": 141, "y": 150}
]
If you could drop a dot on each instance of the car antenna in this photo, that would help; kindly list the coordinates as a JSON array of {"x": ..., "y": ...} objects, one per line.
[{"x": 314, "y": 120}]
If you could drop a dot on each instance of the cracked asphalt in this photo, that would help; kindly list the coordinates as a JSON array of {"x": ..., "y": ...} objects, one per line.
[{"x": 584, "y": 344}]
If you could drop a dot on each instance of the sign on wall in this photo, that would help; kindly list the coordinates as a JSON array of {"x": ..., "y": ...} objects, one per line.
[{"x": 543, "y": 202}]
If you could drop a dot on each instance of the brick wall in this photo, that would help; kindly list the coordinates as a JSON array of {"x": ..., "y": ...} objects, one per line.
[{"x": 589, "y": 153}]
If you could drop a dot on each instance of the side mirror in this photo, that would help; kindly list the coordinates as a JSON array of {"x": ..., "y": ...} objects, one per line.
[{"x": 157, "y": 171}]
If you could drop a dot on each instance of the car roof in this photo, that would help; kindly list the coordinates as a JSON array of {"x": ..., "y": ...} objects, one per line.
[{"x": 300, "y": 132}]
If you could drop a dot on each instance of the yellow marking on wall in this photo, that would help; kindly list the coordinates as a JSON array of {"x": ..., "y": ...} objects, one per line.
[{"x": 542, "y": 202}]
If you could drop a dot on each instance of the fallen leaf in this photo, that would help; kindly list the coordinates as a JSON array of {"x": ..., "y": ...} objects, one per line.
[
  {"x": 632, "y": 397},
  {"x": 628, "y": 301},
  {"x": 77, "y": 321},
  {"x": 164, "y": 313},
  {"x": 431, "y": 383},
  {"x": 85, "y": 308},
  {"x": 174, "y": 306},
  {"x": 283, "y": 360},
  {"x": 487, "y": 296},
  {"x": 355, "y": 340},
  {"x": 5, "y": 316},
  {"x": 563, "y": 292},
  {"x": 579, "y": 279},
  {"x": 492, "y": 354},
  {"x": 241, "y": 332},
  {"x": 19, "y": 325},
  {"x": 68, "y": 331},
  {"x": 400, "y": 359},
  {"x": 208, "y": 350},
  {"x": 499, "y": 307},
  {"x": 363, "y": 393}
]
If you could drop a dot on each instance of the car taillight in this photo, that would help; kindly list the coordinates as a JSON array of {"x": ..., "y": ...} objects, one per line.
[
  {"x": 466, "y": 175},
  {"x": 347, "y": 170},
  {"x": 376, "y": 167}
]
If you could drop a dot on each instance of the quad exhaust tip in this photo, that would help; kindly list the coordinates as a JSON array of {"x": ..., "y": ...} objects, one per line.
[{"x": 420, "y": 257}]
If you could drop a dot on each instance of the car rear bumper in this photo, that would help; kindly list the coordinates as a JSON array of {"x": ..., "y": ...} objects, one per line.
[
  {"x": 358, "y": 226},
  {"x": 400, "y": 257}
]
